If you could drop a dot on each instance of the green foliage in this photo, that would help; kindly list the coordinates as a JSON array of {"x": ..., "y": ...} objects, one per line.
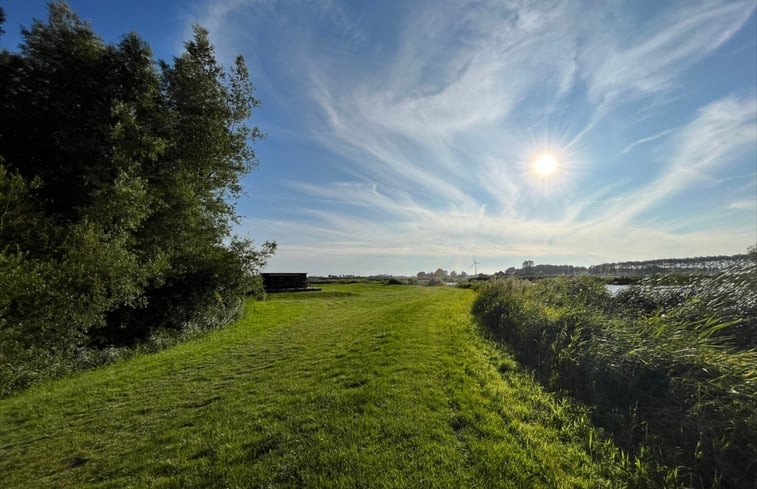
[
  {"x": 22, "y": 223},
  {"x": 117, "y": 188},
  {"x": 674, "y": 385}
]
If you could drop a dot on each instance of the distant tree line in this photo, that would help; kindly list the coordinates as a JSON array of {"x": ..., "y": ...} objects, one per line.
[
  {"x": 118, "y": 177},
  {"x": 440, "y": 273},
  {"x": 699, "y": 264}
]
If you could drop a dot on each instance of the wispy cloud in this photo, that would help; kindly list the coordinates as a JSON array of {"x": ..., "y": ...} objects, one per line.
[
  {"x": 721, "y": 132},
  {"x": 433, "y": 119},
  {"x": 655, "y": 56},
  {"x": 629, "y": 62},
  {"x": 647, "y": 139},
  {"x": 743, "y": 204}
]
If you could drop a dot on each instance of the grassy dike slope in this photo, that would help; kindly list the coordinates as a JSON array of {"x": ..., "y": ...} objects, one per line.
[{"x": 357, "y": 386}]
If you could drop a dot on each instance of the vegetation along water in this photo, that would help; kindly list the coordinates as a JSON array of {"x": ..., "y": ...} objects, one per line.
[{"x": 669, "y": 371}]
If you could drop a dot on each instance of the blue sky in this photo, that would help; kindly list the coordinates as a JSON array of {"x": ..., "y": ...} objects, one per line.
[{"x": 402, "y": 135}]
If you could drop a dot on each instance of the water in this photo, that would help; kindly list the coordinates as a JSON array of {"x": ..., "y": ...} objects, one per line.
[{"x": 614, "y": 289}]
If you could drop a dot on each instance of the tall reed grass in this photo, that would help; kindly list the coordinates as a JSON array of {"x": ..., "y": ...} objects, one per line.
[{"x": 670, "y": 372}]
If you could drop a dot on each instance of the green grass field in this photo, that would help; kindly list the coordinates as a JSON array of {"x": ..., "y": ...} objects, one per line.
[{"x": 356, "y": 386}]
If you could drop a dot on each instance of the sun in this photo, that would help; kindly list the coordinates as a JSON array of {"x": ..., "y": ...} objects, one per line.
[
  {"x": 548, "y": 163},
  {"x": 545, "y": 164}
]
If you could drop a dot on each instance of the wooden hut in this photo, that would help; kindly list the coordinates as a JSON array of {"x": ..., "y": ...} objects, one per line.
[{"x": 286, "y": 282}]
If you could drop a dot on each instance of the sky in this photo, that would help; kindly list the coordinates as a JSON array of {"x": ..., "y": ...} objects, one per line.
[{"x": 402, "y": 135}]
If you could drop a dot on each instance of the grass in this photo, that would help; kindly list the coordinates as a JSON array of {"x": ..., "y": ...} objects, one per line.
[{"x": 358, "y": 386}]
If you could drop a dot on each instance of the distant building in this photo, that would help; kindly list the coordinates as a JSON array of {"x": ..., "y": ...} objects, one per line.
[{"x": 286, "y": 282}]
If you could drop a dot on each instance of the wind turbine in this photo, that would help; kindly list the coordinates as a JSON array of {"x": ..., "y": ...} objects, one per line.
[{"x": 475, "y": 266}]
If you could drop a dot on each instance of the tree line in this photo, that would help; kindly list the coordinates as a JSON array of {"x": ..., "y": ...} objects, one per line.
[
  {"x": 698, "y": 264},
  {"x": 119, "y": 175},
  {"x": 440, "y": 273}
]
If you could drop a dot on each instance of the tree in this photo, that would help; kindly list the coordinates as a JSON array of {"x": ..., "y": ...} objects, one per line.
[
  {"x": 118, "y": 180},
  {"x": 528, "y": 264}
]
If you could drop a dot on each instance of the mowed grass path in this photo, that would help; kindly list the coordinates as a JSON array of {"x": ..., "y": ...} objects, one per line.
[{"x": 357, "y": 386}]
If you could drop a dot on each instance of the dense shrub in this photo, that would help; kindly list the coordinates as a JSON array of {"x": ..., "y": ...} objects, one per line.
[{"x": 667, "y": 380}]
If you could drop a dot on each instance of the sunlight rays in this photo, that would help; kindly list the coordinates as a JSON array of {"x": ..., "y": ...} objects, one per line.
[
  {"x": 549, "y": 168},
  {"x": 545, "y": 164}
]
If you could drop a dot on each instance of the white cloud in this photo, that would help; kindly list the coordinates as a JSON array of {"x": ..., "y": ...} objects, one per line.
[
  {"x": 622, "y": 61},
  {"x": 645, "y": 140},
  {"x": 721, "y": 132},
  {"x": 400, "y": 226},
  {"x": 652, "y": 60},
  {"x": 435, "y": 126},
  {"x": 743, "y": 204}
]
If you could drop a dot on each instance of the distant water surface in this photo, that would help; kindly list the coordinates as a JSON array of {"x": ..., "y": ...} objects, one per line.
[{"x": 614, "y": 289}]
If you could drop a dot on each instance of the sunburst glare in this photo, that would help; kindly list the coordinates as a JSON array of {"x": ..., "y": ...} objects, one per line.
[
  {"x": 545, "y": 164},
  {"x": 549, "y": 164}
]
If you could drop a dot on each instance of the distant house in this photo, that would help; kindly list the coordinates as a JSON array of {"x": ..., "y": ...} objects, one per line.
[{"x": 286, "y": 282}]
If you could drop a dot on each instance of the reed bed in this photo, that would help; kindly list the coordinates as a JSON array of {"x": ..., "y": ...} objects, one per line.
[{"x": 670, "y": 372}]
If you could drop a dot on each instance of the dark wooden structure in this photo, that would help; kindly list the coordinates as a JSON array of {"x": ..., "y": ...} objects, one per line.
[{"x": 286, "y": 282}]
